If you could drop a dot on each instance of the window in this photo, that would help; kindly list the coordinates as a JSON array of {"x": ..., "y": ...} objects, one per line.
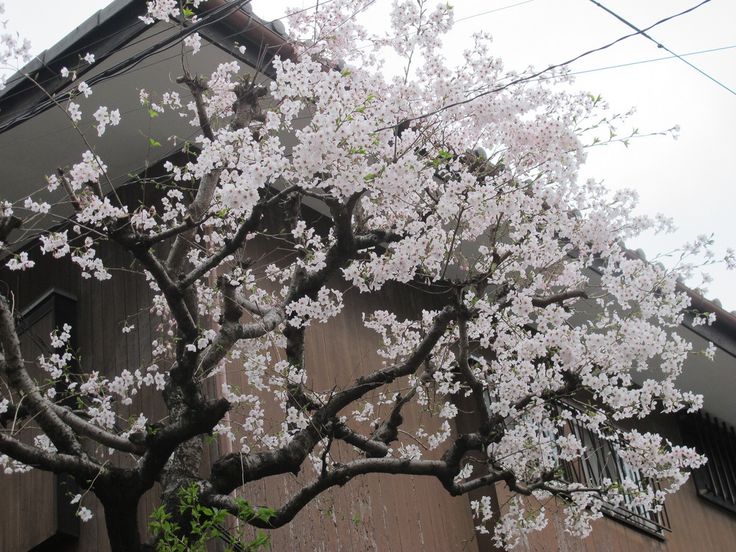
[
  {"x": 602, "y": 461},
  {"x": 53, "y": 522},
  {"x": 716, "y": 481}
]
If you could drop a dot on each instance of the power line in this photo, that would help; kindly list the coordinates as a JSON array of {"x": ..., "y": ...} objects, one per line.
[
  {"x": 211, "y": 44},
  {"x": 660, "y": 45},
  {"x": 125, "y": 65},
  {"x": 89, "y": 47},
  {"x": 493, "y": 10},
  {"x": 572, "y": 73},
  {"x": 208, "y": 44},
  {"x": 128, "y": 65},
  {"x": 534, "y": 76},
  {"x": 643, "y": 61}
]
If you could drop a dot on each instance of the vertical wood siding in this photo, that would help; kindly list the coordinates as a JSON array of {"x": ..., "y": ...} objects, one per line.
[
  {"x": 374, "y": 513},
  {"x": 381, "y": 513}
]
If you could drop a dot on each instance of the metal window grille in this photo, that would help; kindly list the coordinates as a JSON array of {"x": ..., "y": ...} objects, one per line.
[
  {"x": 602, "y": 461},
  {"x": 716, "y": 481}
]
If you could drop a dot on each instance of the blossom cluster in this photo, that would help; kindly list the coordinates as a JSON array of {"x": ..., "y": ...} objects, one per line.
[{"x": 439, "y": 181}]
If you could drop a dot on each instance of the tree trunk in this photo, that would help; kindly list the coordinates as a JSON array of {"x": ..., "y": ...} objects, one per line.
[
  {"x": 121, "y": 518},
  {"x": 181, "y": 470}
]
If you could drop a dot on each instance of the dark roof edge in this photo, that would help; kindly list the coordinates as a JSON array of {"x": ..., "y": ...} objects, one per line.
[
  {"x": 102, "y": 34},
  {"x": 56, "y": 51},
  {"x": 114, "y": 26},
  {"x": 263, "y": 40},
  {"x": 722, "y": 332}
]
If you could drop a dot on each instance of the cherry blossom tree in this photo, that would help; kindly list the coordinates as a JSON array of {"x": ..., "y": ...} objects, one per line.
[{"x": 457, "y": 182}]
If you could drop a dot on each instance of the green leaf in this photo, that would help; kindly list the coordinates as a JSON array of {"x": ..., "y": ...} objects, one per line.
[
  {"x": 260, "y": 540},
  {"x": 264, "y": 514},
  {"x": 154, "y": 143}
]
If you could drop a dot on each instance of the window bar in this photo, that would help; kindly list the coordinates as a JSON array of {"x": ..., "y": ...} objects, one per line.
[
  {"x": 729, "y": 493},
  {"x": 716, "y": 478},
  {"x": 602, "y": 461},
  {"x": 729, "y": 455},
  {"x": 708, "y": 473}
]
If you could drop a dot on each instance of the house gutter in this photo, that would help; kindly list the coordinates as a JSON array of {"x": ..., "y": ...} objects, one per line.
[
  {"x": 110, "y": 29},
  {"x": 270, "y": 37},
  {"x": 722, "y": 332}
]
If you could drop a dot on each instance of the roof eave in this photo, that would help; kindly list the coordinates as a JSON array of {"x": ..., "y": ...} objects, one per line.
[{"x": 111, "y": 28}]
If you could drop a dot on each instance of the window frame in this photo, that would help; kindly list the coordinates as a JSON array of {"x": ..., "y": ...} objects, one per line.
[
  {"x": 62, "y": 307},
  {"x": 714, "y": 438}
]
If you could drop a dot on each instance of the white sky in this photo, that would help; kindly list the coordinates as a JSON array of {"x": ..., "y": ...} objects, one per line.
[{"x": 690, "y": 180}]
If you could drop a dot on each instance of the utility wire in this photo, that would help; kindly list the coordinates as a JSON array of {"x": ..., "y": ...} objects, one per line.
[
  {"x": 89, "y": 47},
  {"x": 128, "y": 63},
  {"x": 640, "y": 62},
  {"x": 660, "y": 45},
  {"x": 573, "y": 73},
  {"x": 174, "y": 56},
  {"x": 493, "y": 11},
  {"x": 534, "y": 76},
  {"x": 134, "y": 61}
]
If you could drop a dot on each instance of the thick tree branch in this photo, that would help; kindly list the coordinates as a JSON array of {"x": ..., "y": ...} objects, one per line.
[
  {"x": 188, "y": 224},
  {"x": 463, "y": 357},
  {"x": 342, "y": 474},
  {"x": 185, "y": 319},
  {"x": 231, "y": 331},
  {"x": 388, "y": 431},
  {"x": 197, "y": 87},
  {"x": 234, "y": 243},
  {"x": 197, "y": 210},
  {"x": 190, "y": 424},
  {"x": 372, "y": 447},
  {"x": 375, "y": 238},
  {"x": 542, "y": 302},
  {"x": 236, "y": 469},
  {"x": 97, "y": 434},
  {"x": 56, "y": 462}
]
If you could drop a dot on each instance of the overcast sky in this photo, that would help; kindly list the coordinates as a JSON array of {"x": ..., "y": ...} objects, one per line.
[{"x": 691, "y": 180}]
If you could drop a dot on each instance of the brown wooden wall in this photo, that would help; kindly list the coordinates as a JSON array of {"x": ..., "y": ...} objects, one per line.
[
  {"x": 101, "y": 308},
  {"x": 382, "y": 513},
  {"x": 377, "y": 512}
]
